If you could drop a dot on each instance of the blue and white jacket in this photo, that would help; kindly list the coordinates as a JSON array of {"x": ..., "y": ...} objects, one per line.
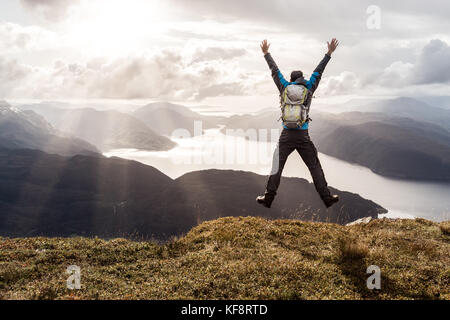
[{"x": 311, "y": 84}]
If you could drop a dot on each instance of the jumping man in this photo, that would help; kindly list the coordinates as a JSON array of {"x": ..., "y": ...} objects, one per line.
[{"x": 295, "y": 97}]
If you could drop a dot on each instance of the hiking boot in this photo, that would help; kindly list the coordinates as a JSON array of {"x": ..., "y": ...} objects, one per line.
[
  {"x": 265, "y": 200},
  {"x": 330, "y": 200}
]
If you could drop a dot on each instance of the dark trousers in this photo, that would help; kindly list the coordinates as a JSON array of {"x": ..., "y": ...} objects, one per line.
[{"x": 299, "y": 140}]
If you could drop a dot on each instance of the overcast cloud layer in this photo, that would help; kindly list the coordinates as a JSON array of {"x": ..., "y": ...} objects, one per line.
[{"x": 202, "y": 49}]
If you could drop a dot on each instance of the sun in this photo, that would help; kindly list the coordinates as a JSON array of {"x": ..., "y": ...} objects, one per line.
[{"x": 102, "y": 25}]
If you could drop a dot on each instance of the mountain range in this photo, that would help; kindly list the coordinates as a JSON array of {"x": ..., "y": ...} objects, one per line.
[
  {"x": 398, "y": 138},
  {"x": 165, "y": 118},
  {"x": 26, "y": 129},
  {"x": 397, "y": 144},
  {"x": 52, "y": 195},
  {"x": 106, "y": 129},
  {"x": 396, "y": 149},
  {"x": 409, "y": 108}
]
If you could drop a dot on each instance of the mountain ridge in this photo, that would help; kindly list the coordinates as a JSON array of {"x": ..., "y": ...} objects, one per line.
[
  {"x": 166, "y": 117},
  {"x": 42, "y": 194},
  {"x": 347, "y": 136},
  {"x": 27, "y": 129},
  {"x": 109, "y": 129}
]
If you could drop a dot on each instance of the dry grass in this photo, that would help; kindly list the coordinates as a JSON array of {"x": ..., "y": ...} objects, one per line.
[
  {"x": 352, "y": 248},
  {"x": 445, "y": 228},
  {"x": 238, "y": 258}
]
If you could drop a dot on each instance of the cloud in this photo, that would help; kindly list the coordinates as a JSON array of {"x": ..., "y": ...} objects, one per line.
[
  {"x": 345, "y": 83},
  {"x": 213, "y": 48},
  {"x": 396, "y": 74},
  {"x": 17, "y": 38},
  {"x": 205, "y": 72},
  {"x": 217, "y": 53},
  {"x": 13, "y": 36},
  {"x": 52, "y": 10},
  {"x": 343, "y": 18},
  {"x": 11, "y": 70},
  {"x": 11, "y": 75},
  {"x": 164, "y": 75},
  {"x": 431, "y": 66}
]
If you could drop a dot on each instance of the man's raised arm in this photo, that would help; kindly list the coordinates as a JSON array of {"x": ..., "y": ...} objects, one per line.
[
  {"x": 317, "y": 74},
  {"x": 278, "y": 78}
]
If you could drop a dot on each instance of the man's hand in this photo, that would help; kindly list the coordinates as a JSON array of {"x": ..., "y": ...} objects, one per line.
[
  {"x": 332, "y": 46},
  {"x": 265, "y": 47}
]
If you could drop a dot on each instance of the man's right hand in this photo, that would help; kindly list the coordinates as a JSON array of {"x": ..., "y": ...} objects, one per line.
[{"x": 265, "y": 47}]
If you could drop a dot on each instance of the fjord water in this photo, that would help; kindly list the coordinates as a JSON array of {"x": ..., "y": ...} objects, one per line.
[{"x": 403, "y": 198}]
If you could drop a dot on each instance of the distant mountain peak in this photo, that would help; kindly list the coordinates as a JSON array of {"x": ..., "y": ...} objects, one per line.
[
  {"x": 4, "y": 103},
  {"x": 6, "y": 108},
  {"x": 183, "y": 110},
  {"x": 27, "y": 129},
  {"x": 408, "y": 101}
]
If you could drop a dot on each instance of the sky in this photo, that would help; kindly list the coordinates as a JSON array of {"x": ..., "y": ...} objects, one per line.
[{"x": 206, "y": 52}]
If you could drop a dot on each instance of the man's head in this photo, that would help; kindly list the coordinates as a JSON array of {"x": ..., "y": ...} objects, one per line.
[{"x": 295, "y": 75}]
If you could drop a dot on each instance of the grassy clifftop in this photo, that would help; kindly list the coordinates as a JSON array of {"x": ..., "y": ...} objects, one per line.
[{"x": 238, "y": 258}]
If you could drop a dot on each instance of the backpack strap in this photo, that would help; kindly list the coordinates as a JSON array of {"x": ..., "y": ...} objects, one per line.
[
  {"x": 305, "y": 92},
  {"x": 285, "y": 95}
]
